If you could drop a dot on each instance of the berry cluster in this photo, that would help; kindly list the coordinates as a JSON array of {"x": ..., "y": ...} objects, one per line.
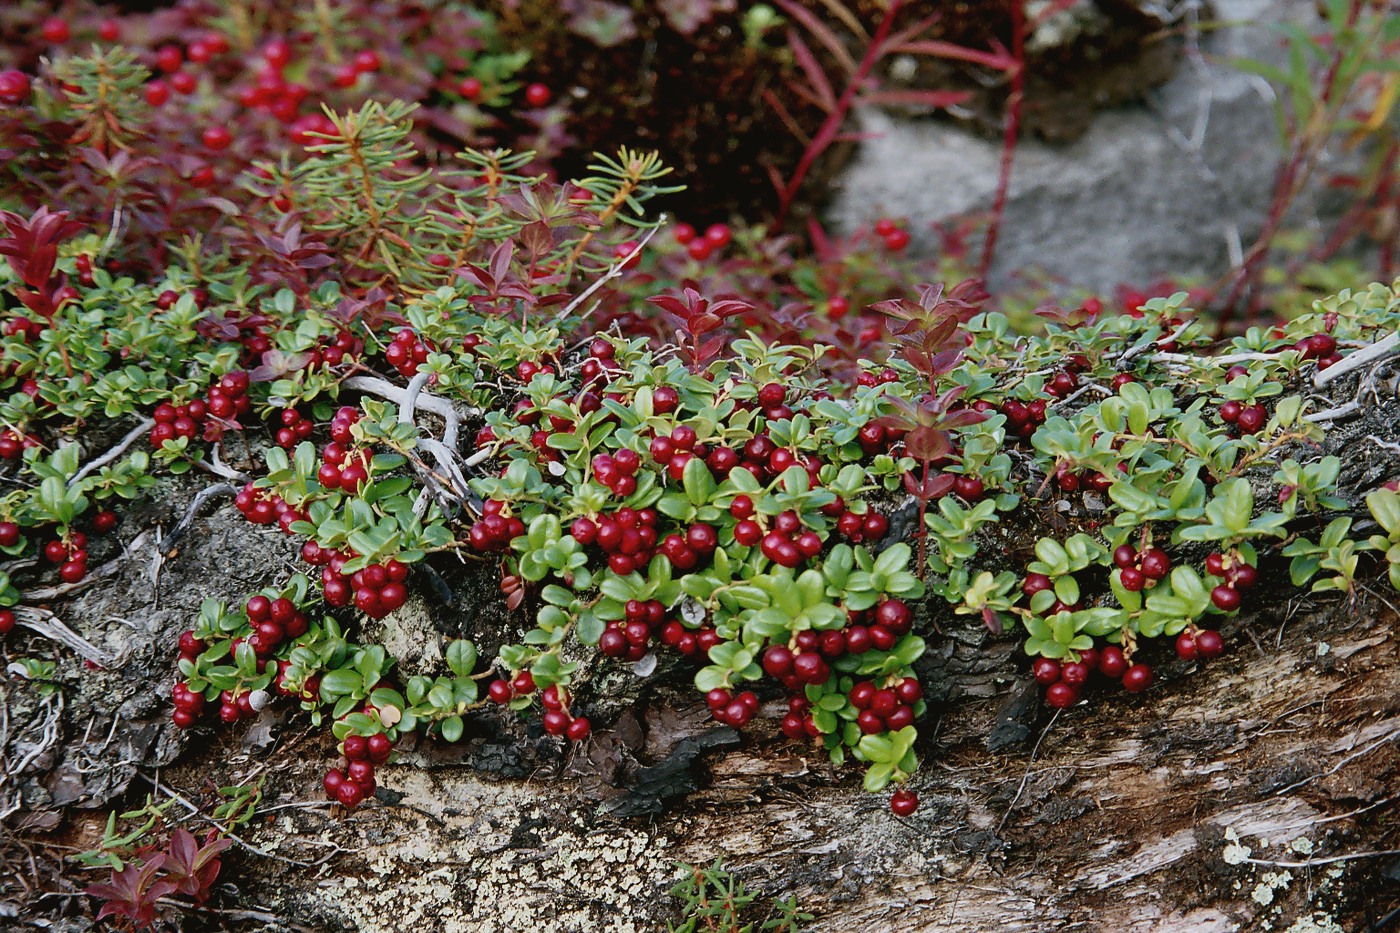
[
  {"x": 1065, "y": 680},
  {"x": 264, "y": 508},
  {"x": 558, "y": 720},
  {"x": 627, "y": 537},
  {"x": 407, "y": 352},
  {"x": 895, "y": 237},
  {"x": 1237, "y": 575},
  {"x": 888, "y": 708},
  {"x": 701, "y": 246},
  {"x": 352, "y": 780},
  {"x": 206, "y": 417},
  {"x": 273, "y": 621},
  {"x": 70, "y": 553},
  {"x": 496, "y": 528},
  {"x": 1199, "y": 644},
  {"x": 295, "y": 428},
  {"x": 730, "y": 708},
  {"x": 1140, "y": 568}
]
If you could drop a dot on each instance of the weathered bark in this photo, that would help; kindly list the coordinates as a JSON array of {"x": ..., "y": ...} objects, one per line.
[{"x": 1111, "y": 815}]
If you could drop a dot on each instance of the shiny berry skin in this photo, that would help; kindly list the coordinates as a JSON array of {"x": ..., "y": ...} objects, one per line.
[
  {"x": 538, "y": 95},
  {"x": 1155, "y": 564},
  {"x": 55, "y": 30},
  {"x": 1137, "y": 678},
  {"x": 1046, "y": 671},
  {"x": 1241, "y": 576},
  {"x": 356, "y": 748},
  {"x": 1186, "y": 646},
  {"x": 1034, "y": 583},
  {"x": 578, "y": 730},
  {"x": 1061, "y": 696},
  {"x": 14, "y": 87},
  {"x": 904, "y": 802},
  {"x": 379, "y": 748},
  {"x": 1112, "y": 664},
  {"x": 1209, "y": 644},
  {"x": 350, "y": 794},
  {"x": 1226, "y": 598},
  {"x": 216, "y": 138},
  {"x": 1074, "y": 673}
]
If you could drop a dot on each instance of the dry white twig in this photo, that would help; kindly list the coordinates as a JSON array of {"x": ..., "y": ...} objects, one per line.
[
  {"x": 131, "y": 437},
  {"x": 1372, "y": 354},
  {"x": 47, "y": 624}
]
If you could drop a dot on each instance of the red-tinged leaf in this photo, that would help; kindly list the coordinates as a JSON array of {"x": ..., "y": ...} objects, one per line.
[
  {"x": 927, "y": 443},
  {"x": 999, "y": 59},
  {"x": 702, "y": 323},
  {"x": 935, "y": 100},
  {"x": 671, "y": 304},
  {"x": 730, "y": 307},
  {"x": 823, "y": 33},
  {"x": 821, "y": 243},
  {"x": 500, "y": 260},
  {"x": 39, "y": 266},
  {"x": 962, "y": 418},
  {"x": 482, "y": 277},
  {"x": 991, "y": 620},
  {"x": 537, "y": 237},
  {"x": 821, "y": 86},
  {"x": 183, "y": 848},
  {"x": 932, "y": 487},
  {"x": 711, "y": 348}
]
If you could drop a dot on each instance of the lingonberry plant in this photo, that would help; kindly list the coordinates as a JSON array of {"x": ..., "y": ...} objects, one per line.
[{"x": 660, "y": 445}]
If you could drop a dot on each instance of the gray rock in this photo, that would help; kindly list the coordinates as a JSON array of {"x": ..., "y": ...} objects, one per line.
[{"x": 1175, "y": 185}]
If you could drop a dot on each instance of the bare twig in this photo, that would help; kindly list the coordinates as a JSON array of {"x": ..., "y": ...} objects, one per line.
[
  {"x": 1026, "y": 777},
  {"x": 167, "y": 546},
  {"x": 1374, "y": 353},
  {"x": 131, "y": 437},
  {"x": 1388, "y": 737},
  {"x": 47, "y": 624},
  {"x": 613, "y": 272},
  {"x": 1322, "y": 861},
  {"x": 1148, "y": 343},
  {"x": 433, "y": 404},
  {"x": 216, "y": 466}
]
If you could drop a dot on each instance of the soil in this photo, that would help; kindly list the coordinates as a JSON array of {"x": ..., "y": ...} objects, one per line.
[
  {"x": 704, "y": 100},
  {"x": 1126, "y": 812}
]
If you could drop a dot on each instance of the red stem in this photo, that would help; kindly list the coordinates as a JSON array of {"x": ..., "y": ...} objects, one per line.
[
  {"x": 1011, "y": 131},
  {"x": 832, "y": 125}
]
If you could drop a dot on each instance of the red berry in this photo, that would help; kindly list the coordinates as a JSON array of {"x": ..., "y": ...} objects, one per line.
[
  {"x": 1046, "y": 671},
  {"x": 1209, "y": 644},
  {"x": 537, "y": 95},
  {"x": 55, "y": 30},
  {"x": 1061, "y": 696},
  {"x": 1186, "y": 646},
  {"x": 904, "y": 802},
  {"x": 1225, "y": 597},
  {"x": 1112, "y": 664},
  {"x": 350, "y": 794},
  {"x": 1137, "y": 678}
]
